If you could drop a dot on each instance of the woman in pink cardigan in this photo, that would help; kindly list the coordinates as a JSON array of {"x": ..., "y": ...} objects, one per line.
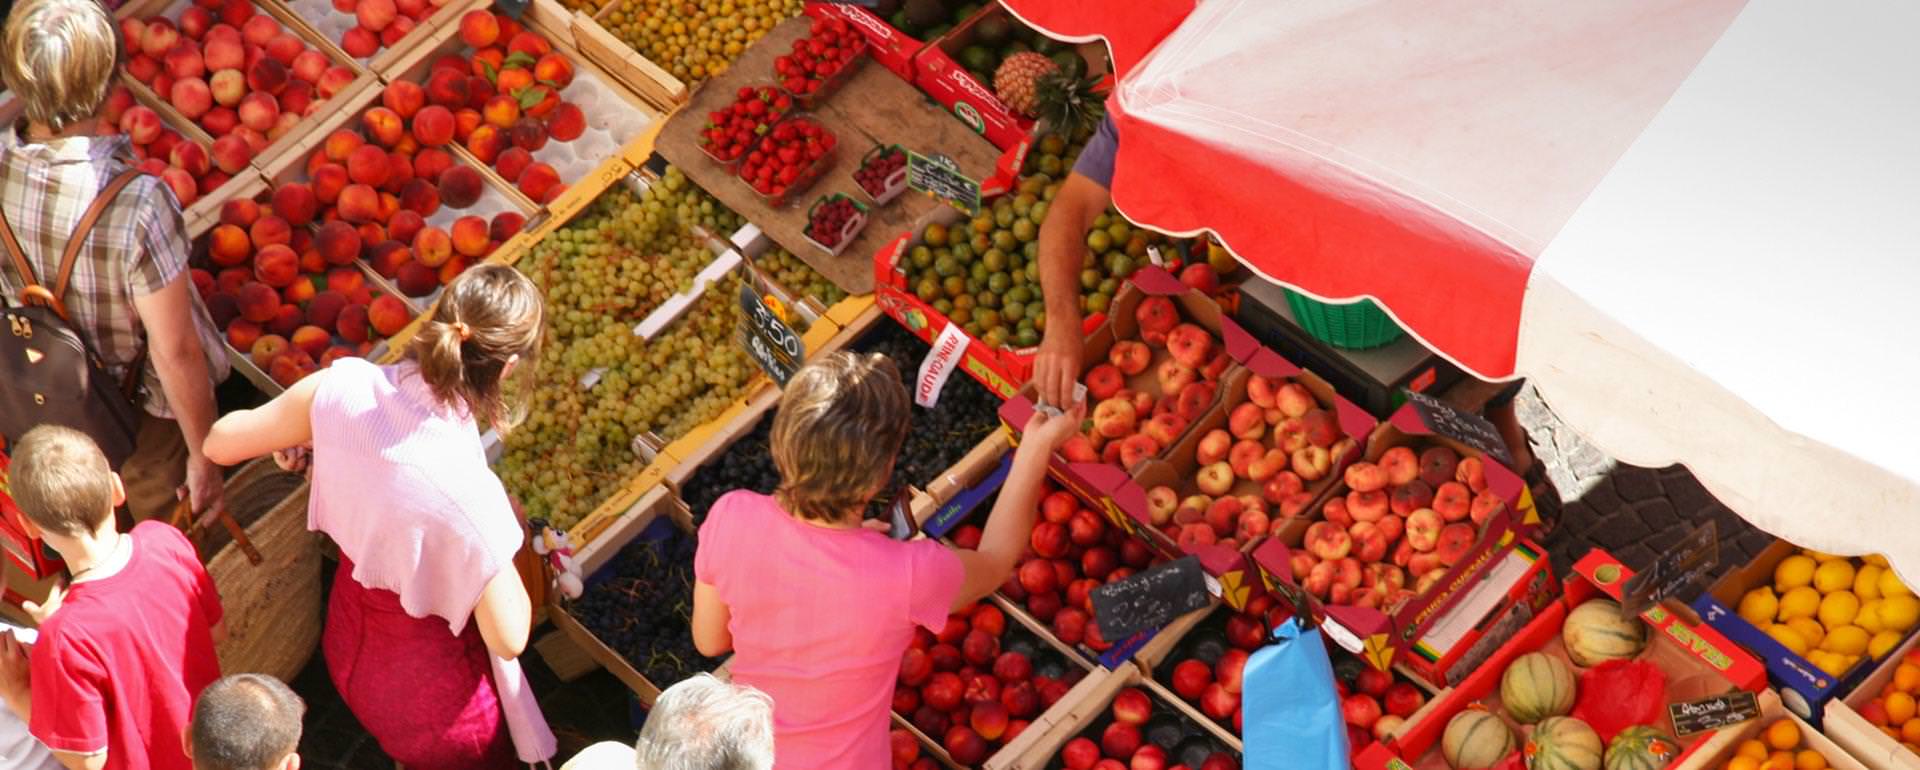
[{"x": 426, "y": 533}]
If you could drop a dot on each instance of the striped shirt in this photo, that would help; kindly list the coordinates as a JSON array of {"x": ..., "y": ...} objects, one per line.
[{"x": 138, "y": 246}]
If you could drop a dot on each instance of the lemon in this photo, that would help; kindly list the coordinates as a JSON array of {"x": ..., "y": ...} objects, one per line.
[
  {"x": 1793, "y": 572},
  {"x": 1869, "y": 617},
  {"x": 1882, "y": 643},
  {"x": 1890, "y": 585},
  {"x": 1866, "y": 582},
  {"x": 1845, "y": 640},
  {"x": 1899, "y": 613},
  {"x": 1831, "y": 576},
  {"x": 1792, "y": 639},
  {"x": 1829, "y": 662},
  {"x": 1838, "y": 609},
  {"x": 1801, "y": 602},
  {"x": 1818, "y": 556},
  {"x": 1809, "y": 629},
  {"x": 1759, "y": 606},
  {"x": 1876, "y": 560}
]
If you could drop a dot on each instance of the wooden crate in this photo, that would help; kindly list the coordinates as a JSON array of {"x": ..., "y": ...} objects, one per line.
[
  {"x": 1086, "y": 707},
  {"x": 291, "y": 22},
  {"x": 1853, "y": 732},
  {"x": 328, "y": 24},
  {"x": 583, "y": 32}
]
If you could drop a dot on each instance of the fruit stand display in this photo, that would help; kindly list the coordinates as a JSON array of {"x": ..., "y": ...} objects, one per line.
[
  {"x": 693, "y": 41},
  {"x": 181, "y": 154},
  {"x": 377, "y": 33},
  {"x": 1871, "y": 722},
  {"x": 1120, "y": 722}
]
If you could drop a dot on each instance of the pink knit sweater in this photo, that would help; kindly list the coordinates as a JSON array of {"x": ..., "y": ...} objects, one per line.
[{"x": 401, "y": 482}]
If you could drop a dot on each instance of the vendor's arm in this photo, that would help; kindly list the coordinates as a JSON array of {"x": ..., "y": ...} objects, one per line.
[
  {"x": 505, "y": 614},
  {"x": 710, "y": 617},
  {"x": 1063, "y": 250},
  {"x": 284, "y": 422},
  {"x": 1010, "y": 524}
]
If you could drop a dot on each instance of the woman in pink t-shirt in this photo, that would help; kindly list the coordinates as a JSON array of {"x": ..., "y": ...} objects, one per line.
[{"x": 818, "y": 608}]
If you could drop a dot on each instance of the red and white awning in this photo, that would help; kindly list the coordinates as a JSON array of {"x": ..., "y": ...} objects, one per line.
[{"x": 1694, "y": 224}]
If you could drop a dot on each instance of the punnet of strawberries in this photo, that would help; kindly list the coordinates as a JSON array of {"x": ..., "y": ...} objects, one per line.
[
  {"x": 830, "y": 47},
  {"x": 787, "y": 158},
  {"x": 730, "y": 132}
]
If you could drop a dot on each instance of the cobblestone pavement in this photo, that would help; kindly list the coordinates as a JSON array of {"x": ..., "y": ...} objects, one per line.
[{"x": 1628, "y": 510}]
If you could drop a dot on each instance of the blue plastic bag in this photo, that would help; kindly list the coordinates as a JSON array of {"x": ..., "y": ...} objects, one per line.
[{"x": 1290, "y": 711}]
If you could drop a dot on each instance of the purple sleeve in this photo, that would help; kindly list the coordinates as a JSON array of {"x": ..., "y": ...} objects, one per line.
[
  {"x": 1096, "y": 159},
  {"x": 935, "y": 578}
]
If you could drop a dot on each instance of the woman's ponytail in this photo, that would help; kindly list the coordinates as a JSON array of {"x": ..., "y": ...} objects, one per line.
[{"x": 487, "y": 317}]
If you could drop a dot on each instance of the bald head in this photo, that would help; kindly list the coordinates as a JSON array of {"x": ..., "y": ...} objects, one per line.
[{"x": 246, "y": 722}]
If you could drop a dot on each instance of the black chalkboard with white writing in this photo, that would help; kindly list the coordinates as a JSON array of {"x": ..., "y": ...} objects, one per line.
[
  {"x": 1699, "y": 716},
  {"x": 1150, "y": 599},
  {"x": 1470, "y": 429}
]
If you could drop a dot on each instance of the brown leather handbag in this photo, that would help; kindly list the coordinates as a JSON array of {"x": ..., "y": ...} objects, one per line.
[{"x": 48, "y": 371}]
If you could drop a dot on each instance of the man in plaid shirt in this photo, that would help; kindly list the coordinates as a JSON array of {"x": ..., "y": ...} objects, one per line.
[{"x": 130, "y": 289}]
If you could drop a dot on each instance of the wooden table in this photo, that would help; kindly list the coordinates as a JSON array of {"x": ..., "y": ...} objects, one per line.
[{"x": 873, "y": 107}]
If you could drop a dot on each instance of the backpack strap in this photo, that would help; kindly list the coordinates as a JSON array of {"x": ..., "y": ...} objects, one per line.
[
  {"x": 33, "y": 290},
  {"x": 54, "y": 298}
]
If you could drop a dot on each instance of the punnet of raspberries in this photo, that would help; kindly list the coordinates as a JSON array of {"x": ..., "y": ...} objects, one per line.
[
  {"x": 828, "y": 226},
  {"x": 875, "y": 175}
]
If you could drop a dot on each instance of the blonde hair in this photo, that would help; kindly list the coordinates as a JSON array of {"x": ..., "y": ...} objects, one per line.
[
  {"x": 61, "y": 480},
  {"x": 60, "y": 58},
  {"x": 488, "y": 315},
  {"x": 841, "y": 421}
]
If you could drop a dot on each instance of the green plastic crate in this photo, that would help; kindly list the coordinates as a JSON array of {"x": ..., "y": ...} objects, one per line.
[{"x": 1351, "y": 325}]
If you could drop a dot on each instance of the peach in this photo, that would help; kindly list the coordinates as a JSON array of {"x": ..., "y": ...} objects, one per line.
[
  {"x": 259, "y": 111},
  {"x": 282, "y": 125},
  {"x": 223, "y": 309},
  {"x": 338, "y": 243},
  {"x": 416, "y": 280},
  {"x": 285, "y": 320},
  {"x": 131, "y": 32},
  {"x": 346, "y": 280},
  {"x": 301, "y": 290},
  {"x": 1452, "y": 501},
  {"x": 511, "y": 80},
  {"x": 479, "y": 29},
  {"x": 239, "y": 212},
  {"x": 140, "y": 124},
  {"x": 230, "y": 154},
  {"x": 119, "y": 100},
  {"x": 453, "y": 268},
  {"x": 312, "y": 340},
  {"x": 1438, "y": 465},
  {"x": 404, "y": 97},
  {"x": 501, "y": 112},
  {"x": 465, "y": 120},
  {"x": 513, "y": 162},
  {"x": 267, "y": 76},
  {"x": 231, "y": 279},
  {"x": 505, "y": 225},
  {"x": 259, "y": 303},
  {"x": 328, "y": 180},
  {"x": 397, "y": 31},
  {"x": 1423, "y": 529},
  {"x": 358, "y": 203},
  {"x": 221, "y": 121},
  {"x": 485, "y": 143},
  {"x": 554, "y": 68},
  {"x": 276, "y": 266},
  {"x": 144, "y": 68},
  {"x": 343, "y": 6},
  {"x": 284, "y": 48},
  {"x": 160, "y": 37},
  {"x": 1327, "y": 541},
  {"x": 256, "y": 141},
  {"x": 371, "y": 232},
  {"x": 191, "y": 158},
  {"x": 375, "y": 14},
  {"x": 1410, "y": 497},
  {"x": 414, "y": 9},
  {"x": 1485, "y": 505},
  {"x": 432, "y": 246},
  {"x": 1369, "y": 543},
  {"x": 433, "y": 125},
  {"x": 1400, "y": 465},
  {"x": 529, "y": 43},
  {"x": 153, "y": 166},
  {"x": 383, "y": 126},
  {"x": 309, "y": 65},
  {"x": 360, "y": 42},
  {"x": 340, "y": 145},
  {"x": 540, "y": 183},
  {"x": 1365, "y": 477},
  {"x": 291, "y": 367},
  {"x": 420, "y": 197},
  {"x": 386, "y": 257},
  {"x": 191, "y": 96},
  {"x": 430, "y": 163},
  {"x": 212, "y": 181},
  {"x": 184, "y": 61},
  {"x": 367, "y": 165},
  {"x": 234, "y": 12},
  {"x": 448, "y": 89},
  {"x": 223, "y": 52},
  {"x": 266, "y": 348},
  {"x": 333, "y": 354},
  {"x": 162, "y": 84},
  {"x": 352, "y": 323},
  {"x": 460, "y": 186},
  {"x": 259, "y": 29},
  {"x": 405, "y": 224},
  {"x": 295, "y": 203},
  {"x": 453, "y": 61},
  {"x": 228, "y": 246},
  {"x": 334, "y": 80},
  {"x": 399, "y": 173},
  {"x": 311, "y": 261},
  {"x": 508, "y": 28},
  {"x": 389, "y": 205},
  {"x": 549, "y": 99},
  {"x": 479, "y": 90},
  {"x": 1472, "y": 472},
  {"x": 242, "y": 333}
]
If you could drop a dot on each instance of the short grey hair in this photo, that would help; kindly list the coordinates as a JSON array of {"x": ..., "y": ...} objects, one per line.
[{"x": 703, "y": 723}]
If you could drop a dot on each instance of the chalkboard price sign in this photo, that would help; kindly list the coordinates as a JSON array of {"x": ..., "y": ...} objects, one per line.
[
  {"x": 1713, "y": 713},
  {"x": 767, "y": 339},
  {"x": 1150, "y": 599},
  {"x": 940, "y": 178},
  {"x": 1470, "y": 429},
  {"x": 1693, "y": 557}
]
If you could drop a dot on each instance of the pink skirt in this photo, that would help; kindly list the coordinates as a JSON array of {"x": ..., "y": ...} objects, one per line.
[{"x": 426, "y": 695}]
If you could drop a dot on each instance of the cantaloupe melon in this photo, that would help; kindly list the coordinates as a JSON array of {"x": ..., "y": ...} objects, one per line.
[
  {"x": 1594, "y": 633},
  {"x": 1536, "y": 686},
  {"x": 1641, "y": 747},
  {"x": 1475, "y": 740},
  {"x": 1563, "y": 743}
]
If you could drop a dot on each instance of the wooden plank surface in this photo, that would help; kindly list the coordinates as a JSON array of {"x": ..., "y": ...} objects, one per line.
[{"x": 873, "y": 107}]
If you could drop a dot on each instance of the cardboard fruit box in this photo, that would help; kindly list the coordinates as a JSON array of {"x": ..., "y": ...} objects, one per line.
[
  {"x": 890, "y": 47},
  {"x": 1847, "y": 719},
  {"x": 1804, "y": 688},
  {"x": 939, "y": 72},
  {"x": 1697, "y": 662},
  {"x": 1183, "y": 735},
  {"x": 1516, "y": 588},
  {"x": 1359, "y": 623}
]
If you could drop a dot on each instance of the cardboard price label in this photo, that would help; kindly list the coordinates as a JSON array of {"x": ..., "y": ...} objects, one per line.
[
  {"x": 1470, "y": 429},
  {"x": 1150, "y": 599},
  {"x": 940, "y": 178},
  {"x": 1713, "y": 713},
  {"x": 1691, "y": 558}
]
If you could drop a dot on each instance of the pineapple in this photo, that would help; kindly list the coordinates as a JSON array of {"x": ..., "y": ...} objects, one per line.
[{"x": 1017, "y": 81}]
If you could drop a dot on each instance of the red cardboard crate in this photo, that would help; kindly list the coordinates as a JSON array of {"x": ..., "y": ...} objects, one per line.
[
  {"x": 1516, "y": 589},
  {"x": 974, "y": 103},
  {"x": 1698, "y": 661}
]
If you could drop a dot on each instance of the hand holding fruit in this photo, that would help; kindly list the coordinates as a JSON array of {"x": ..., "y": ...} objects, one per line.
[{"x": 1046, "y": 433}]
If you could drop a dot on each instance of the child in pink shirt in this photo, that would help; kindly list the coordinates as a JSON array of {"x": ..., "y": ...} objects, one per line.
[{"x": 818, "y": 608}]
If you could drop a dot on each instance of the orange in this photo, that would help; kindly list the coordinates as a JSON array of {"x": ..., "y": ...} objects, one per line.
[
  {"x": 1808, "y": 759},
  {"x": 1779, "y": 761},
  {"x": 1753, "y": 749},
  {"x": 1906, "y": 678},
  {"x": 1783, "y": 735},
  {"x": 1743, "y": 763},
  {"x": 1900, "y": 708},
  {"x": 1910, "y": 732}
]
